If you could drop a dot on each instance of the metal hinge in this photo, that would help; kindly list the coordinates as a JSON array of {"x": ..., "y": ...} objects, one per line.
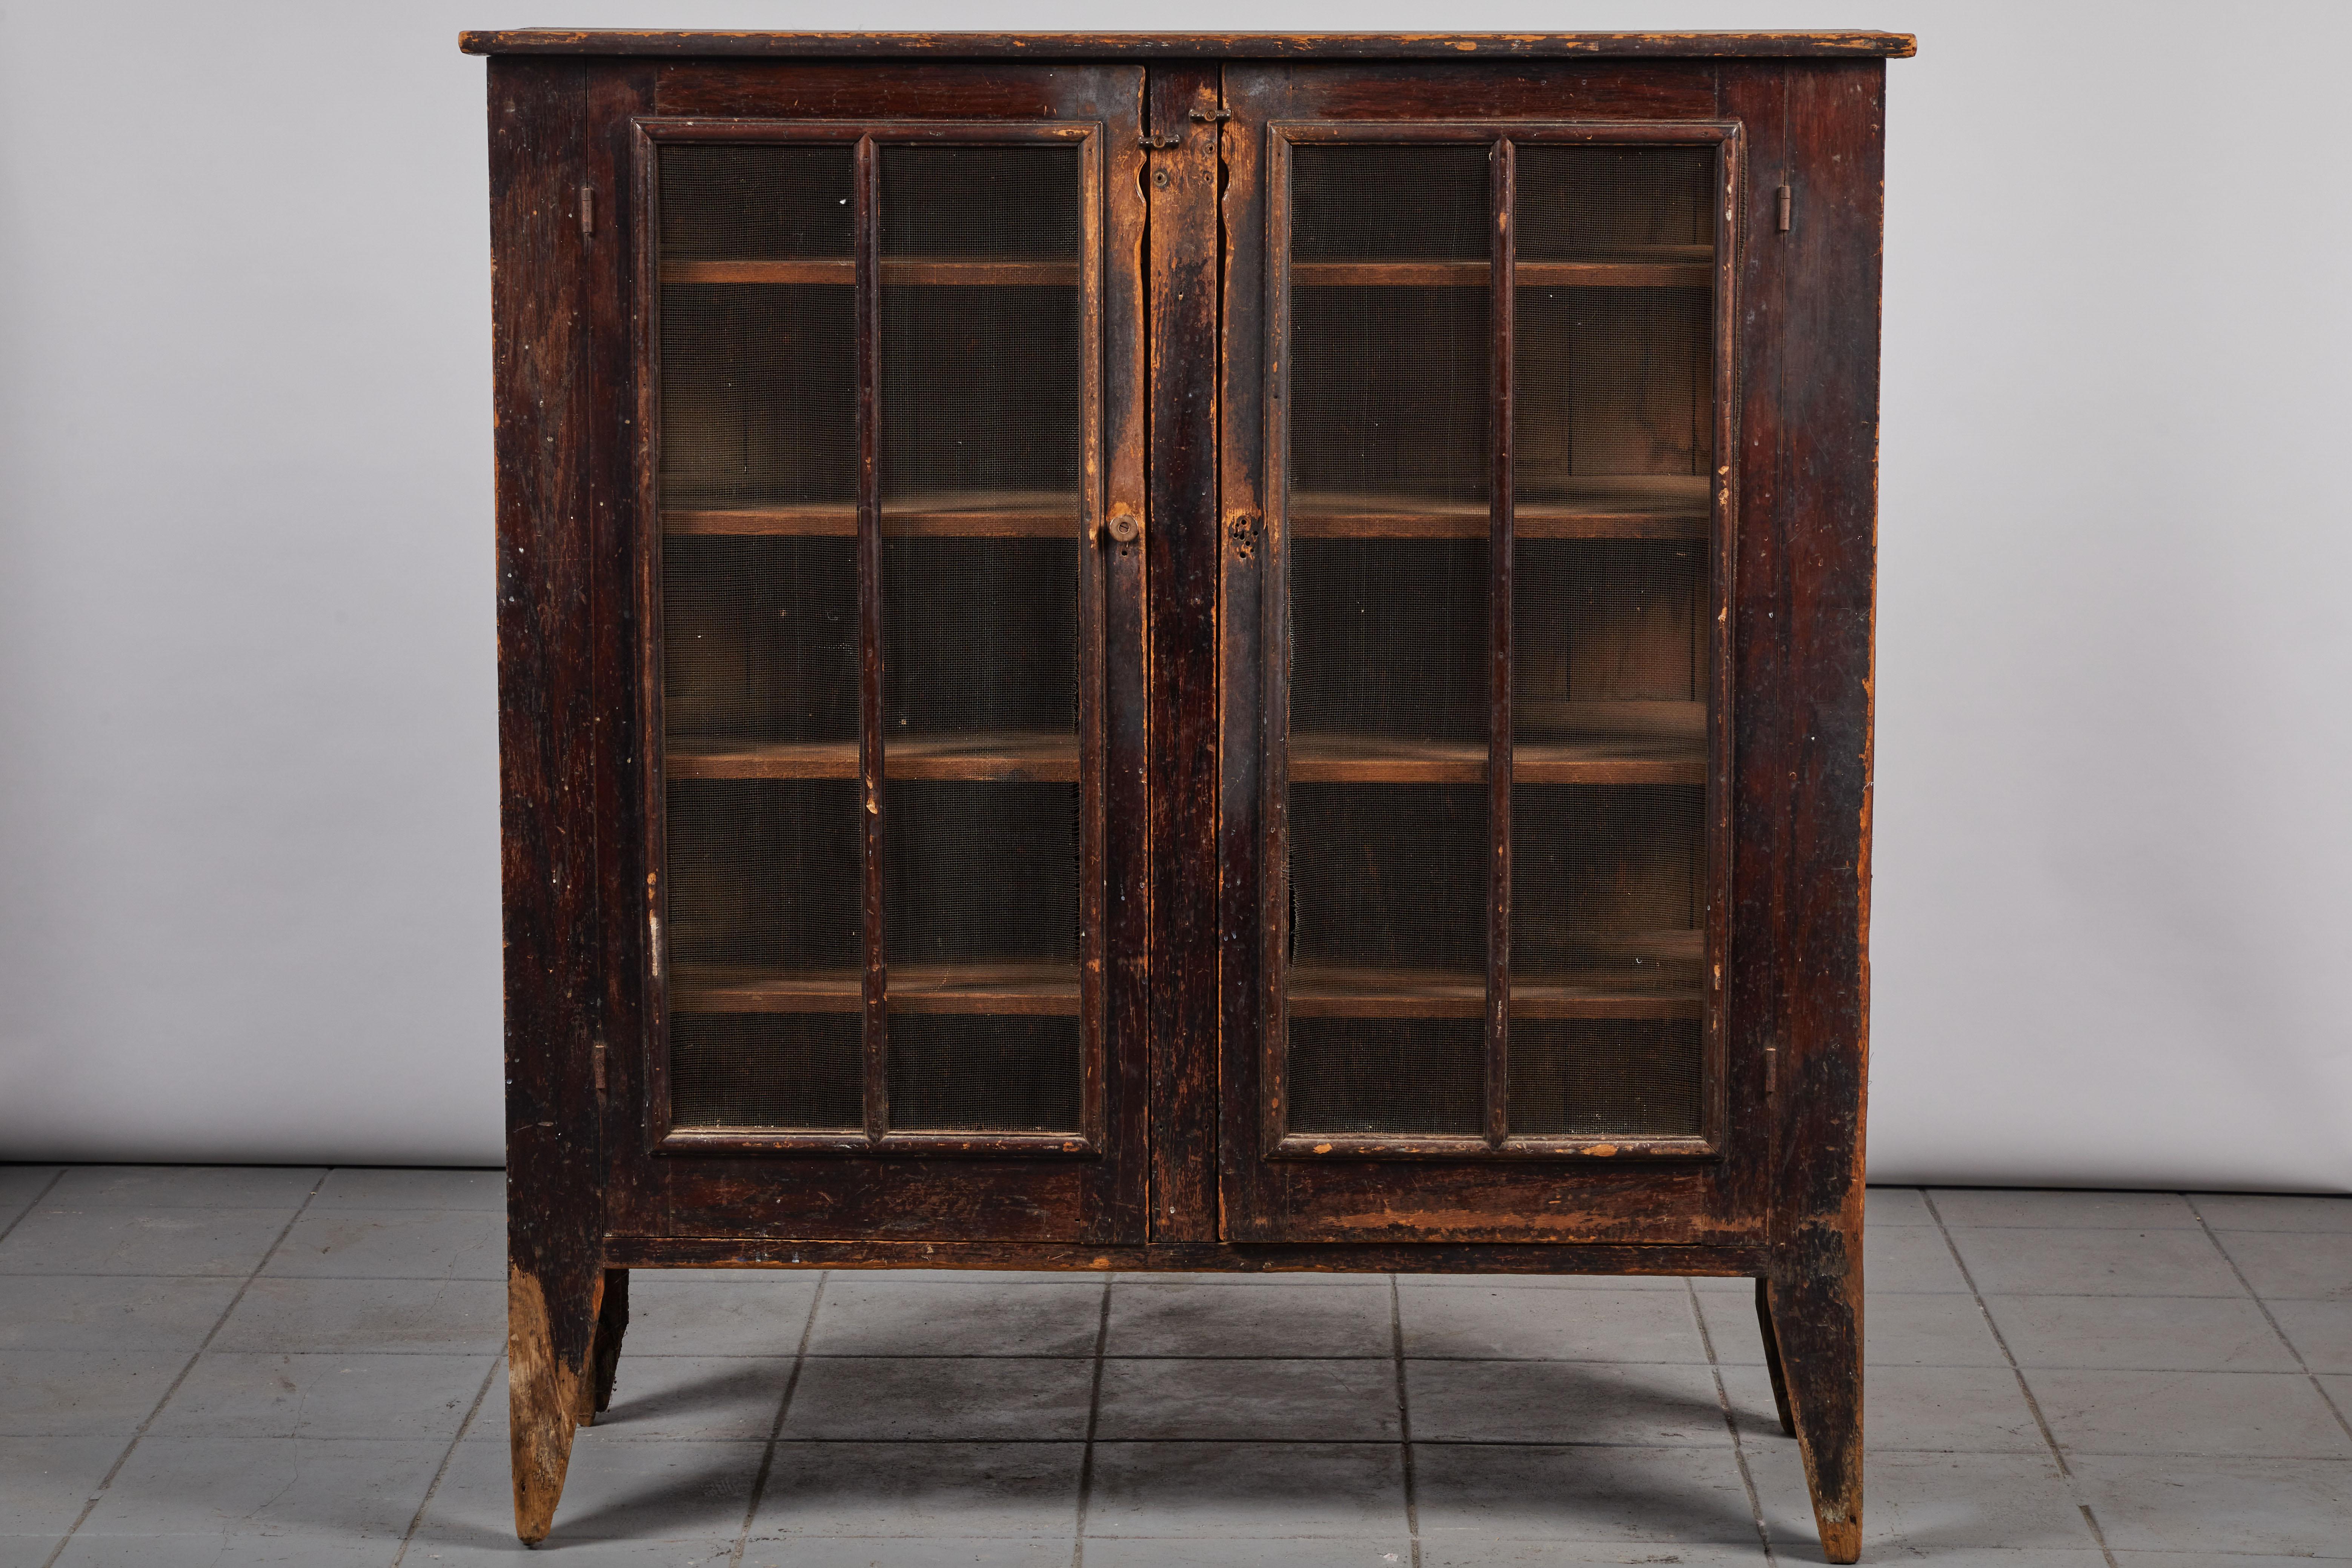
[
  {"x": 587, "y": 211},
  {"x": 1786, "y": 199},
  {"x": 596, "y": 1060}
]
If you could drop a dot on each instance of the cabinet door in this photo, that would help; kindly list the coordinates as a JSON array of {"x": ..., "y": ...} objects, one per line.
[
  {"x": 888, "y": 626},
  {"x": 1491, "y": 807}
]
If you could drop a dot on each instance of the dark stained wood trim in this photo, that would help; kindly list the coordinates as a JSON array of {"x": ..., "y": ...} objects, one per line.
[
  {"x": 1180, "y": 185},
  {"x": 640, "y": 223},
  {"x": 1381, "y": 1146},
  {"x": 1105, "y": 592},
  {"x": 1180, "y": 46},
  {"x": 1273, "y": 1033},
  {"x": 866, "y": 231},
  {"x": 1502, "y": 240},
  {"x": 728, "y": 1251},
  {"x": 1243, "y": 548},
  {"x": 1131, "y": 957}
]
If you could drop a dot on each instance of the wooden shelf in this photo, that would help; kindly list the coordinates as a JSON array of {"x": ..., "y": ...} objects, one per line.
[
  {"x": 1604, "y": 506},
  {"x": 960, "y": 514},
  {"x": 1000, "y": 757},
  {"x": 842, "y": 272},
  {"x": 1658, "y": 985},
  {"x": 1005, "y": 987},
  {"x": 1559, "y": 744},
  {"x": 1681, "y": 266}
]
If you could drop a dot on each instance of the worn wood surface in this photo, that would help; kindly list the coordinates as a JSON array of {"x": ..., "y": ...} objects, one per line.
[
  {"x": 1181, "y": 186},
  {"x": 604, "y": 1360},
  {"x": 1502, "y": 374},
  {"x": 685, "y": 1250},
  {"x": 555, "y": 326},
  {"x": 1180, "y": 46}
]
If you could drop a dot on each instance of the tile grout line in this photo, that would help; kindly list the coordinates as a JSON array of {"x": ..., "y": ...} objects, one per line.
[
  {"x": 2066, "y": 1472},
  {"x": 90, "y": 1506},
  {"x": 1731, "y": 1423},
  {"x": 776, "y": 1426},
  {"x": 1404, "y": 1420},
  {"x": 2268, "y": 1316},
  {"x": 416, "y": 1520},
  {"x": 1094, "y": 1419},
  {"x": 34, "y": 1202}
]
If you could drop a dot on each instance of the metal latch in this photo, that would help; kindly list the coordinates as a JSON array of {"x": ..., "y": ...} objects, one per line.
[{"x": 1124, "y": 527}]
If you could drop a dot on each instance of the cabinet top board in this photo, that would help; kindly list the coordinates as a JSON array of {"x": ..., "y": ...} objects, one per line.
[{"x": 1197, "y": 46}]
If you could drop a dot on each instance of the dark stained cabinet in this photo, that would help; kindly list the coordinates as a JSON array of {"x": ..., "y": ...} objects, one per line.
[{"x": 1166, "y": 652}]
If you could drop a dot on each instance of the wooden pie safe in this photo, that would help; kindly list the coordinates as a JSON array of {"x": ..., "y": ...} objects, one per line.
[{"x": 1175, "y": 652}]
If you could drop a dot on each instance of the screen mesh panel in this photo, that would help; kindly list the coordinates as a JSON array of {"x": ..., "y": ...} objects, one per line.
[
  {"x": 1607, "y": 880},
  {"x": 759, "y": 640},
  {"x": 981, "y": 423},
  {"x": 1605, "y": 622},
  {"x": 1606, "y": 1078},
  {"x": 758, "y": 400},
  {"x": 1386, "y": 1075},
  {"x": 767, "y": 1069},
  {"x": 1397, "y": 202},
  {"x": 974, "y": 873},
  {"x": 1388, "y": 637},
  {"x": 979, "y": 635},
  {"x": 992, "y": 1074},
  {"x": 1615, "y": 203}
]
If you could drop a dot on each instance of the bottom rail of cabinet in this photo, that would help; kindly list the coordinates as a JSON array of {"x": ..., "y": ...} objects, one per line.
[{"x": 1186, "y": 1256}]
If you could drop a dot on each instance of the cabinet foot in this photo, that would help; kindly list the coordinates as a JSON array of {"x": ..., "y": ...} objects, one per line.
[
  {"x": 1772, "y": 1358},
  {"x": 550, "y": 1378},
  {"x": 1812, "y": 1326},
  {"x": 605, "y": 1359}
]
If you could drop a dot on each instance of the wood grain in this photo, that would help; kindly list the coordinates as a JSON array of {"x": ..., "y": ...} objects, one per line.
[{"x": 1182, "y": 47}]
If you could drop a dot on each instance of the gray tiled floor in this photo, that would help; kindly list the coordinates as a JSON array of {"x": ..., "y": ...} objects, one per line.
[{"x": 232, "y": 1366}]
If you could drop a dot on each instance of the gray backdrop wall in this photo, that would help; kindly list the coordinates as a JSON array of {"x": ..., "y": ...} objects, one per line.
[{"x": 249, "y": 825}]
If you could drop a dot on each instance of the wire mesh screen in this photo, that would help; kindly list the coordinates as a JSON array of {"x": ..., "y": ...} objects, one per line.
[
  {"x": 758, "y": 401},
  {"x": 979, "y": 636},
  {"x": 763, "y": 888},
  {"x": 1386, "y": 1075},
  {"x": 759, "y": 640},
  {"x": 1615, "y": 203},
  {"x": 1609, "y": 650},
  {"x": 1606, "y": 1078},
  {"x": 767, "y": 1069},
  {"x": 981, "y": 376},
  {"x": 1001, "y": 1074},
  {"x": 1614, "y": 395},
  {"x": 1388, "y": 636}
]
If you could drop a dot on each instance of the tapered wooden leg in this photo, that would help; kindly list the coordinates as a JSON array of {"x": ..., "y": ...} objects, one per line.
[
  {"x": 612, "y": 1322},
  {"x": 1772, "y": 1357},
  {"x": 549, "y": 1334},
  {"x": 1817, "y": 1320}
]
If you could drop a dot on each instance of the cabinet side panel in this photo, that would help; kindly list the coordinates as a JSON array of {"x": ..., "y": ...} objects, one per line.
[
  {"x": 543, "y": 116},
  {"x": 1803, "y": 629},
  {"x": 1829, "y": 412}
]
